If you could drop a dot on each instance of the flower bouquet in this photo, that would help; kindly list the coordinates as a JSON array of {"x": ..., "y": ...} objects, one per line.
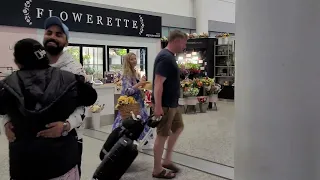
[
  {"x": 197, "y": 83},
  {"x": 117, "y": 81},
  {"x": 127, "y": 105},
  {"x": 186, "y": 83},
  {"x": 191, "y": 93},
  {"x": 164, "y": 39},
  {"x": 203, "y": 104},
  {"x": 207, "y": 83},
  {"x": 96, "y": 108},
  {"x": 194, "y": 69},
  {"x": 223, "y": 38},
  {"x": 203, "y": 35},
  {"x": 193, "y": 36}
]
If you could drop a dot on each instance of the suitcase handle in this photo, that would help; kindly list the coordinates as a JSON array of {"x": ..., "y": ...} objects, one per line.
[{"x": 152, "y": 121}]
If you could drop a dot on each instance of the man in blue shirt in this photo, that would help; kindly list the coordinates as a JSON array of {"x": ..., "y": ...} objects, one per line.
[{"x": 166, "y": 93}]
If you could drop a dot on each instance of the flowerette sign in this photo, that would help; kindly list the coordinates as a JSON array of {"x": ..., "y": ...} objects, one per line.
[{"x": 79, "y": 18}]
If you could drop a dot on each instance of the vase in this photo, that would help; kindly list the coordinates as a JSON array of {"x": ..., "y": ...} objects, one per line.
[
  {"x": 220, "y": 41},
  {"x": 203, "y": 107},
  {"x": 225, "y": 40},
  {"x": 96, "y": 121}
]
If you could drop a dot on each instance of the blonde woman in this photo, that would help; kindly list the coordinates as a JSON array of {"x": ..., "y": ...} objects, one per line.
[{"x": 131, "y": 81}]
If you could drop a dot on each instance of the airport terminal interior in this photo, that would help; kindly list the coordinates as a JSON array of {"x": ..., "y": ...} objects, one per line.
[
  {"x": 211, "y": 158},
  {"x": 247, "y": 95}
]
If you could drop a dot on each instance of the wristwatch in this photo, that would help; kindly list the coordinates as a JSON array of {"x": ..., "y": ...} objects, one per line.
[{"x": 65, "y": 129}]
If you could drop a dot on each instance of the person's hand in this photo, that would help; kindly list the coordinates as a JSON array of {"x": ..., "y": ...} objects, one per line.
[
  {"x": 143, "y": 78},
  {"x": 54, "y": 130},
  {"x": 158, "y": 112},
  {"x": 142, "y": 83},
  {"x": 9, "y": 133}
]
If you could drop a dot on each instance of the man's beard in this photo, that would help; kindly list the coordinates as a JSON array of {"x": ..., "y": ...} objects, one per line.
[{"x": 51, "y": 49}]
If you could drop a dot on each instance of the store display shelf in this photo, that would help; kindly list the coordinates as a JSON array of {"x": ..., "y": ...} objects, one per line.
[
  {"x": 222, "y": 55},
  {"x": 224, "y": 76},
  {"x": 225, "y": 66},
  {"x": 217, "y": 45}
]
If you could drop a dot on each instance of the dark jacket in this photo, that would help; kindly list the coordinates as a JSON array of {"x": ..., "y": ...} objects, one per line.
[{"x": 32, "y": 99}]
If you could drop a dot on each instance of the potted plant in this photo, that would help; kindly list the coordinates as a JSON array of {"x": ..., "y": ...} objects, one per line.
[
  {"x": 203, "y": 104},
  {"x": 95, "y": 119},
  {"x": 225, "y": 38}
]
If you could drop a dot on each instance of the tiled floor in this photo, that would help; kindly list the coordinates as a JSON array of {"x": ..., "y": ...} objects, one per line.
[
  {"x": 140, "y": 170},
  {"x": 207, "y": 135}
]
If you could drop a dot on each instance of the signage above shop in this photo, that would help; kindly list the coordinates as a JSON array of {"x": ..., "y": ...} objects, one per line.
[{"x": 79, "y": 18}]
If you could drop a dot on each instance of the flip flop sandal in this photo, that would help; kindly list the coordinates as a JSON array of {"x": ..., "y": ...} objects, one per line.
[
  {"x": 164, "y": 175},
  {"x": 172, "y": 167}
]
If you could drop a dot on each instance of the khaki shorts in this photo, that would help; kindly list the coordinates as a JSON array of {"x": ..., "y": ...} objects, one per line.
[{"x": 170, "y": 122}]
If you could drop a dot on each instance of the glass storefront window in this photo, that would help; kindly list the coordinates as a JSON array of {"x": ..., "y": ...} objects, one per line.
[
  {"x": 93, "y": 61},
  {"x": 165, "y": 31},
  {"x": 116, "y": 58}
]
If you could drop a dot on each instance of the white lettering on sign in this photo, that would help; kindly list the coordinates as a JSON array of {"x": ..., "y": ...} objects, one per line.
[
  {"x": 126, "y": 22},
  {"x": 89, "y": 19},
  {"x": 77, "y": 17},
  {"x": 118, "y": 21},
  {"x": 64, "y": 16},
  {"x": 134, "y": 24},
  {"x": 50, "y": 12},
  {"x": 99, "y": 20},
  {"x": 39, "y": 12},
  {"x": 109, "y": 21}
]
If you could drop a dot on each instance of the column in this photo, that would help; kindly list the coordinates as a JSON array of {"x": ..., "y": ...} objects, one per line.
[
  {"x": 202, "y": 19},
  {"x": 277, "y": 90}
]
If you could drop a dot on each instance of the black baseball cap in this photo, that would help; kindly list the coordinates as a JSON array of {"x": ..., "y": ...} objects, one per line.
[
  {"x": 54, "y": 20},
  {"x": 30, "y": 54}
]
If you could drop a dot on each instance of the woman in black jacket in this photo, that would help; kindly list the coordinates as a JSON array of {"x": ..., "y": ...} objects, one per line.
[{"x": 33, "y": 97}]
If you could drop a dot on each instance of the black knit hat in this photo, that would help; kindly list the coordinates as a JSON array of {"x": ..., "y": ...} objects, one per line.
[{"x": 30, "y": 54}]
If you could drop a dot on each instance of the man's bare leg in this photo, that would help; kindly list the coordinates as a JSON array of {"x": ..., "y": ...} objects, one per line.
[
  {"x": 158, "y": 152},
  {"x": 170, "y": 145}
]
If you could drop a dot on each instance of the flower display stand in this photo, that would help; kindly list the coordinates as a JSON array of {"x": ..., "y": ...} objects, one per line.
[
  {"x": 213, "y": 99},
  {"x": 182, "y": 105},
  {"x": 191, "y": 105}
]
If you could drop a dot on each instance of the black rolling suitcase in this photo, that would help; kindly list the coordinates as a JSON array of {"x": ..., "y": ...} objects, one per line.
[
  {"x": 130, "y": 128},
  {"x": 113, "y": 138},
  {"x": 117, "y": 161}
]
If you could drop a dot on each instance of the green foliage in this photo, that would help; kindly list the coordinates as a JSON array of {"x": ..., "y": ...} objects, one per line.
[
  {"x": 90, "y": 70},
  {"x": 121, "y": 52},
  {"x": 192, "y": 66},
  {"x": 75, "y": 52}
]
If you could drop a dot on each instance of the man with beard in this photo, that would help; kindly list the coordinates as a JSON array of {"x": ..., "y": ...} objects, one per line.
[{"x": 55, "y": 39}]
